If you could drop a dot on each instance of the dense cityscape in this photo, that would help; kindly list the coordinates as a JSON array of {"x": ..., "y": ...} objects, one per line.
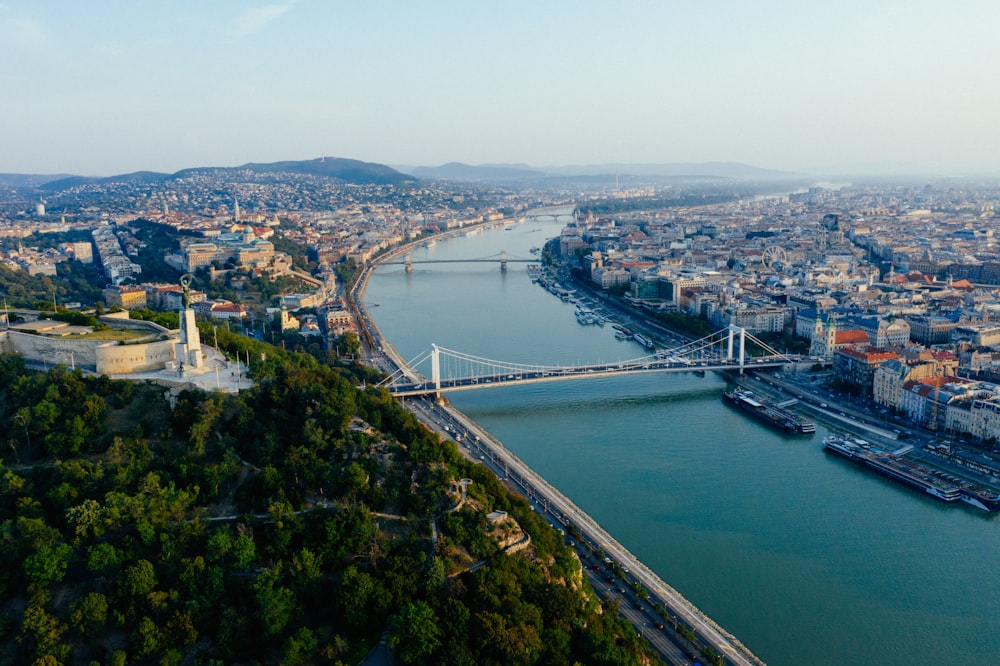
[
  {"x": 894, "y": 285},
  {"x": 490, "y": 334},
  {"x": 884, "y": 294}
]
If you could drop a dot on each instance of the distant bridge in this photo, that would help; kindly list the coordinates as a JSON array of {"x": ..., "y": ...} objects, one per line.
[
  {"x": 500, "y": 258},
  {"x": 540, "y": 214},
  {"x": 457, "y": 371}
]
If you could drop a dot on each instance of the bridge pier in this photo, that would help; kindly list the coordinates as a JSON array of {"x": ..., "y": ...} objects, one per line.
[
  {"x": 729, "y": 354},
  {"x": 503, "y": 261},
  {"x": 436, "y": 370},
  {"x": 409, "y": 262}
]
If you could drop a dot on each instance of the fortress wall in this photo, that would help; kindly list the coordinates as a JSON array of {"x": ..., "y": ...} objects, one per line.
[
  {"x": 115, "y": 320},
  {"x": 100, "y": 356},
  {"x": 38, "y": 348},
  {"x": 115, "y": 359}
]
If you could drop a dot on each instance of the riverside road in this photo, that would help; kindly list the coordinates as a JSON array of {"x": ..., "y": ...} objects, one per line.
[{"x": 480, "y": 446}]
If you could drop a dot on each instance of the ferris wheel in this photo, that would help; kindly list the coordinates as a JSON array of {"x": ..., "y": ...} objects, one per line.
[{"x": 773, "y": 254}]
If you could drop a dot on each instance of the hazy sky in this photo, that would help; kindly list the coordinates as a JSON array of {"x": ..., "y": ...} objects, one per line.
[{"x": 99, "y": 88}]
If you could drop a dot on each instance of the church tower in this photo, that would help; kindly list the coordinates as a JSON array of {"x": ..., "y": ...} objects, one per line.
[
  {"x": 831, "y": 337},
  {"x": 817, "y": 346}
]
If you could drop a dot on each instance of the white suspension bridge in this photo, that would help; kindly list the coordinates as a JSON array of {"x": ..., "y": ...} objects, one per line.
[{"x": 452, "y": 370}]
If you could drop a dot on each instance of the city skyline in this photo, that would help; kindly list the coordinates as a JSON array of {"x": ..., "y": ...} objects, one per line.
[{"x": 99, "y": 90}]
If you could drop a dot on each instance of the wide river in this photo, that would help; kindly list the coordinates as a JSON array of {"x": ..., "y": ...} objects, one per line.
[{"x": 806, "y": 558}]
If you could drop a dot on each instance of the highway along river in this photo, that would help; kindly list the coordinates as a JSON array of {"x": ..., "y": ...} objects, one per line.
[{"x": 804, "y": 557}]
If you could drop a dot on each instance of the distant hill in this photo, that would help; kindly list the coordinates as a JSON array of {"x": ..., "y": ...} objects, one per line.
[
  {"x": 136, "y": 177},
  {"x": 734, "y": 170},
  {"x": 29, "y": 180},
  {"x": 470, "y": 173},
  {"x": 350, "y": 171},
  {"x": 586, "y": 173},
  {"x": 371, "y": 173}
]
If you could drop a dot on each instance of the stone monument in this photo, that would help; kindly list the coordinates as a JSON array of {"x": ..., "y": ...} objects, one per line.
[{"x": 188, "y": 353}]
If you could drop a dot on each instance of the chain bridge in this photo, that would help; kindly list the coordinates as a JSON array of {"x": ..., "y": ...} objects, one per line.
[
  {"x": 500, "y": 258},
  {"x": 457, "y": 371}
]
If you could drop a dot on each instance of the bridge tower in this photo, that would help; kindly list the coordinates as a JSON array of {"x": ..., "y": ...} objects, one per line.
[
  {"x": 409, "y": 262},
  {"x": 503, "y": 260},
  {"x": 742, "y": 333},
  {"x": 436, "y": 369}
]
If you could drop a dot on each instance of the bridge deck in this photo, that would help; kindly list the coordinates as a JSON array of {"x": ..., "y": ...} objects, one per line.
[
  {"x": 458, "y": 371},
  {"x": 566, "y": 374},
  {"x": 465, "y": 261}
]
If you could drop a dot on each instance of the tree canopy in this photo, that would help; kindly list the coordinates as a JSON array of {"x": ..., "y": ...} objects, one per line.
[{"x": 291, "y": 523}]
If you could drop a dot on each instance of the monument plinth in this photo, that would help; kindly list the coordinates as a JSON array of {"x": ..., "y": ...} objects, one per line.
[{"x": 188, "y": 353}]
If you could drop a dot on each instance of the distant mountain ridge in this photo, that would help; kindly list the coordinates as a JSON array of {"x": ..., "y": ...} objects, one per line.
[
  {"x": 736, "y": 170},
  {"x": 458, "y": 171},
  {"x": 347, "y": 170},
  {"x": 29, "y": 179},
  {"x": 482, "y": 172},
  {"x": 352, "y": 171},
  {"x": 372, "y": 173}
]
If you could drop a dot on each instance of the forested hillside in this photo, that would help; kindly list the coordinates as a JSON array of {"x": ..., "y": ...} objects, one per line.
[{"x": 297, "y": 522}]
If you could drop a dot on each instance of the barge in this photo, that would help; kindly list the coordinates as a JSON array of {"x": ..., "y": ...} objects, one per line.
[
  {"x": 768, "y": 413},
  {"x": 906, "y": 472}
]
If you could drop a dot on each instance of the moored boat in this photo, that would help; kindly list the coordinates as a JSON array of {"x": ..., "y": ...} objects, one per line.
[
  {"x": 762, "y": 410},
  {"x": 978, "y": 495},
  {"x": 907, "y": 472},
  {"x": 644, "y": 341}
]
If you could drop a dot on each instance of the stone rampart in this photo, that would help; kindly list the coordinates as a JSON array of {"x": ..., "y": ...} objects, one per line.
[
  {"x": 115, "y": 359},
  {"x": 116, "y": 320},
  {"x": 100, "y": 356},
  {"x": 39, "y": 348}
]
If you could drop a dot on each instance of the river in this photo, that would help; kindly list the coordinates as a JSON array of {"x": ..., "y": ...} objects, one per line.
[{"x": 804, "y": 557}]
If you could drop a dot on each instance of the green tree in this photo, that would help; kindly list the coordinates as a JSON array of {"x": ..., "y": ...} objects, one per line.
[
  {"x": 244, "y": 551},
  {"x": 89, "y": 614},
  {"x": 148, "y": 637},
  {"x": 47, "y": 566},
  {"x": 139, "y": 579},
  {"x": 219, "y": 546},
  {"x": 414, "y": 634},
  {"x": 436, "y": 574},
  {"x": 359, "y": 593},
  {"x": 300, "y": 647},
  {"x": 41, "y": 632},
  {"x": 104, "y": 558},
  {"x": 276, "y": 604},
  {"x": 508, "y": 640}
]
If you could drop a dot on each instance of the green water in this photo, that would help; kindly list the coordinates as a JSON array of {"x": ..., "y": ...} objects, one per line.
[{"x": 804, "y": 557}]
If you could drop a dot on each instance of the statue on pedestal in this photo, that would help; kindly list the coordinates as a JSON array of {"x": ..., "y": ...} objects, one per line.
[
  {"x": 186, "y": 288},
  {"x": 188, "y": 350}
]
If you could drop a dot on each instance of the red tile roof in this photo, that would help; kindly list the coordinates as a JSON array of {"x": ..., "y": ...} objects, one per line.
[{"x": 855, "y": 337}]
